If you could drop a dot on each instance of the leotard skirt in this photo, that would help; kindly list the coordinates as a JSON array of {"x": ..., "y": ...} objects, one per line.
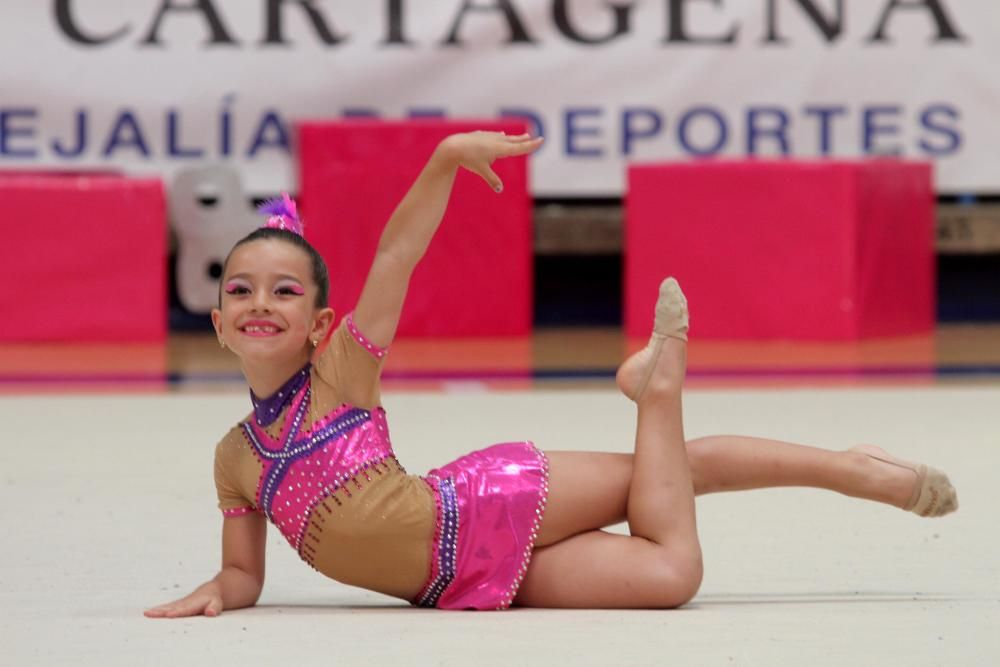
[{"x": 489, "y": 507}]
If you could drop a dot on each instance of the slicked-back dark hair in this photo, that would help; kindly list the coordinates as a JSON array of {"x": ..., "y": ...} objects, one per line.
[{"x": 320, "y": 275}]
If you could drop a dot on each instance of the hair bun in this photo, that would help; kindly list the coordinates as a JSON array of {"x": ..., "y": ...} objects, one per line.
[{"x": 282, "y": 214}]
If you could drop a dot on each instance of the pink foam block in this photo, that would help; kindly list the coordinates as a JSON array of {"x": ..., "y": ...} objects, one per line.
[
  {"x": 83, "y": 258},
  {"x": 831, "y": 250},
  {"x": 476, "y": 278}
]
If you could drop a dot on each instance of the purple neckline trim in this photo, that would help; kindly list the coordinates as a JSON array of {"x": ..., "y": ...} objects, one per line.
[{"x": 267, "y": 410}]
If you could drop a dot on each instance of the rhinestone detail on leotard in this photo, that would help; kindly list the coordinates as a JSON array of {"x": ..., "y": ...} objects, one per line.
[
  {"x": 445, "y": 541},
  {"x": 508, "y": 597},
  {"x": 299, "y": 470},
  {"x": 375, "y": 350},
  {"x": 290, "y": 453},
  {"x": 237, "y": 511}
]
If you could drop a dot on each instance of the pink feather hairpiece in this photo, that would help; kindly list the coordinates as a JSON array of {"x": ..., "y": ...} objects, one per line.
[{"x": 282, "y": 214}]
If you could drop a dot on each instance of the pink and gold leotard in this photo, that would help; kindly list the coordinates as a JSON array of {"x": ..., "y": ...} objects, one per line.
[{"x": 315, "y": 458}]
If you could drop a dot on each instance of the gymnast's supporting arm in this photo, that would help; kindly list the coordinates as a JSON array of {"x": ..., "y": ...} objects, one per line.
[{"x": 240, "y": 580}]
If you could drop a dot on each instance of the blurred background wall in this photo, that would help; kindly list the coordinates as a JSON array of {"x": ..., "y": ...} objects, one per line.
[{"x": 150, "y": 88}]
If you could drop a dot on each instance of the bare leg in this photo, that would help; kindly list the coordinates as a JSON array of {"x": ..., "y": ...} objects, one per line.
[
  {"x": 661, "y": 474},
  {"x": 601, "y": 480},
  {"x": 660, "y": 564},
  {"x": 737, "y": 463},
  {"x": 577, "y": 565},
  {"x": 572, "y": 555}
]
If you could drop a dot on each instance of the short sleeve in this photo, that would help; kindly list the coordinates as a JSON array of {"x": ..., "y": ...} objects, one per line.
[
  {"x": 352, "y": 365},
  {"x": 232, "y": 501}
]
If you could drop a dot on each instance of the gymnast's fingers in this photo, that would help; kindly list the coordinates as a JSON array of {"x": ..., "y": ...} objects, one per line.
[
  {"x": 163, "y": 610},
  {"x": 490, "y": 177},
  {"x": 156, "y": 612},
  {"x": 188, "y": 606},
  {"x": 520, "y": 138},
  {"x": 521, "y": 146},
  {"x": 214, "y": 607}
]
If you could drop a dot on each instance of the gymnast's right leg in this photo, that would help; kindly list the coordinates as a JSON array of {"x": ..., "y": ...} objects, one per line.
[{"x": 659, "y": 565}]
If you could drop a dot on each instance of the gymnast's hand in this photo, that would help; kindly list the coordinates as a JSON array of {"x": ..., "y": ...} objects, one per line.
[
  {"x": 205, "y": 600},
  {"x": 476, "y": 151}
]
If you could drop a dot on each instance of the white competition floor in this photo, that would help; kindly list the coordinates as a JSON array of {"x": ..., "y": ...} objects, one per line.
[{"x": 108, "y": 507}]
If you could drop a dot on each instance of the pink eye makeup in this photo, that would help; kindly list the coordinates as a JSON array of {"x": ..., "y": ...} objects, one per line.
[
  {"x": 237, "y": 287},
  {"x": 286, "y": 287}
]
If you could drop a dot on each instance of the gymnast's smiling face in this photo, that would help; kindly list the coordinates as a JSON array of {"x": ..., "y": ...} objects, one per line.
[{"x": 268, "y": 311}]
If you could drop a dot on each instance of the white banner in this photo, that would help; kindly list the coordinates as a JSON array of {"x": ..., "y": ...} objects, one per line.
[{"x": 150, "y": 86}]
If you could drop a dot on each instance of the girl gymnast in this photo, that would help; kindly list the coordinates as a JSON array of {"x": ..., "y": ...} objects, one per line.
[{"x": 505, "y": 525}]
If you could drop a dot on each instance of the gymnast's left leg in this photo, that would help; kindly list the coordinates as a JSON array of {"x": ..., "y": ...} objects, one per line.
[{"x": 722, "y": 463}]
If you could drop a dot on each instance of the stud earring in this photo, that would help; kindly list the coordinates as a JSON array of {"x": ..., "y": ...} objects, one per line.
[
  {"x": 315, "y": 343},
  {"x": 222, "y": 344}
]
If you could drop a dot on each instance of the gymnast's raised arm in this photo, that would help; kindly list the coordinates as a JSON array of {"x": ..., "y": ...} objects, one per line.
[{"x": 409, "y": 230}]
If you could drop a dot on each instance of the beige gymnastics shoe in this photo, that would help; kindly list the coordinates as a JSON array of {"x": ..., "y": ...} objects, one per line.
[
  {"x": 933, "y": 494},
  {"x": 670, "y": 321}
]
